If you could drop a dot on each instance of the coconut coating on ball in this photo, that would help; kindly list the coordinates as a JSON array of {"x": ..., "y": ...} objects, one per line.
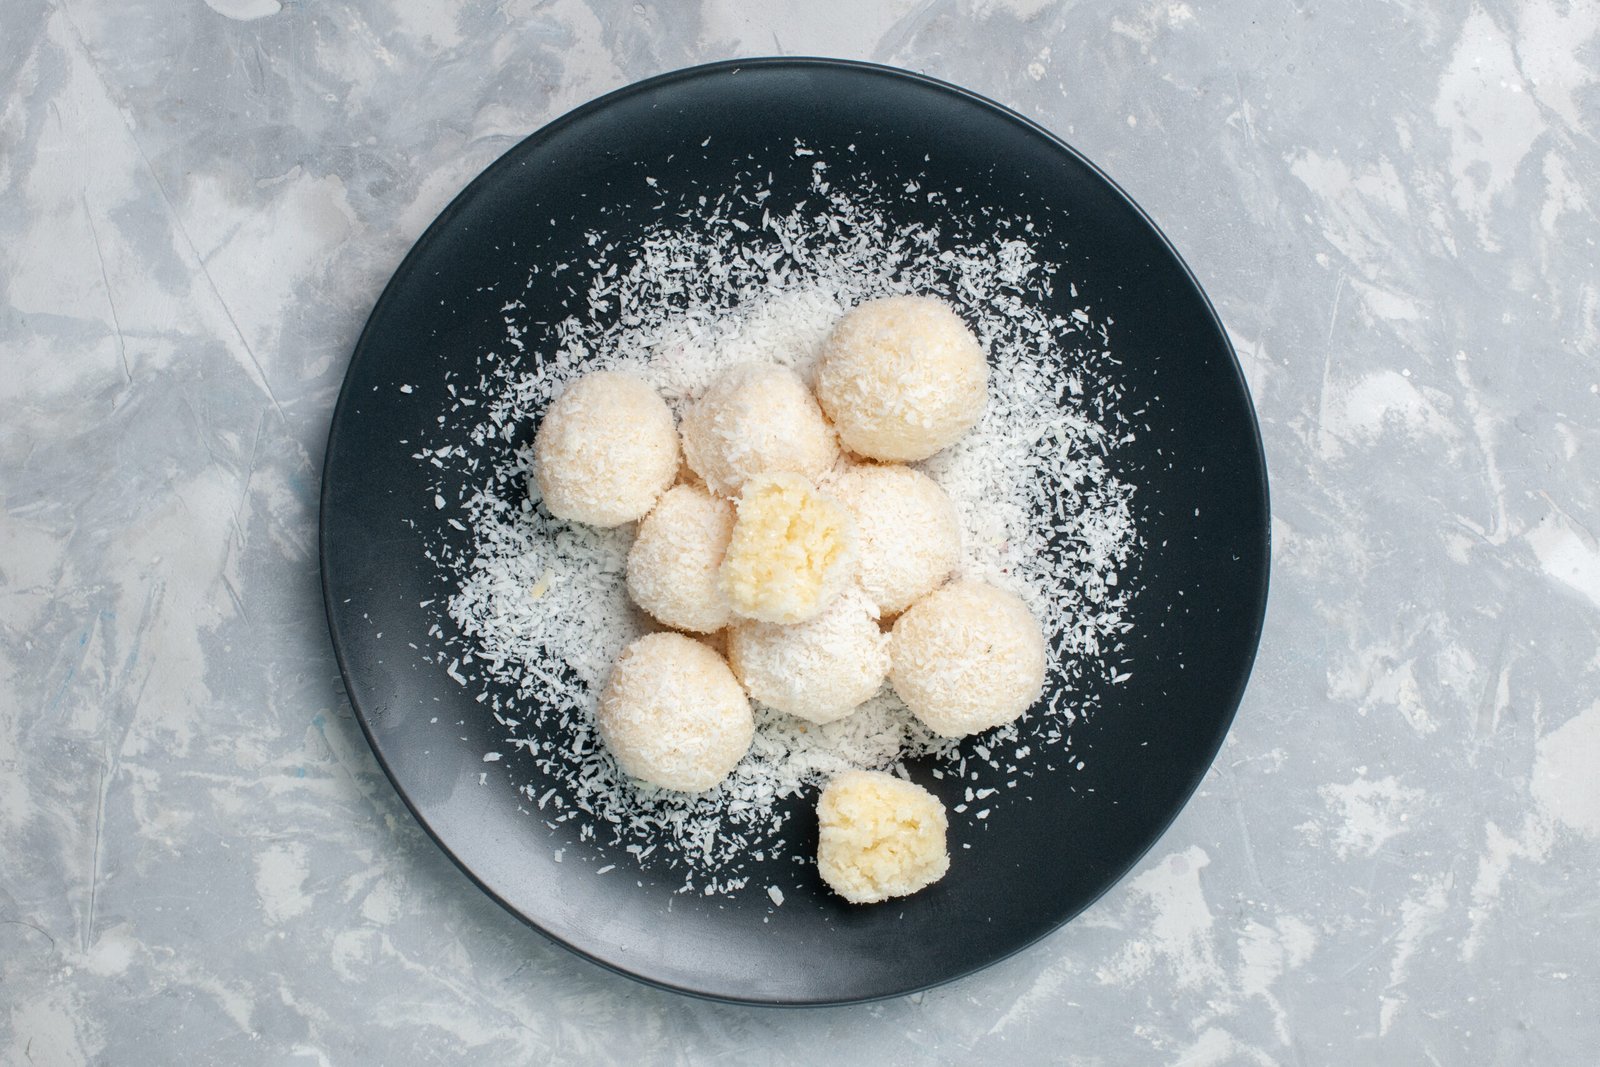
[
  {"x": 908, "y": 536},
  {"x": 673, "y": 566},
  {"x": 902, "y": 377},
  {"x": 820, "y": 670},
  {"x": 966, "y": 658},
  {"x": 605, "y": 450},
  {"x": 674, "y": 715},
  {"x": 756, "y": 418}
]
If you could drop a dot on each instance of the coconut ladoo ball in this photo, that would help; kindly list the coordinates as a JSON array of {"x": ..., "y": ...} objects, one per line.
[
  {"x": 792, "y": 551},
  {"x": 674, "y": 715},
  {"x": 674, "y": 564},
  {"x": 907, "y": 534},
  {"x": 756, "y": 418},
  {"x": 605, "y": 450},
  {"x": 966, "y": 658},
  {"x": 820, "y": 670},
  {"x": 880, "y": 837},
  {"x": 902, "y": 377}
]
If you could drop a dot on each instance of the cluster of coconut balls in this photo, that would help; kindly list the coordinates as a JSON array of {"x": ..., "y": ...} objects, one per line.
[{"x": 795, "y": 536}]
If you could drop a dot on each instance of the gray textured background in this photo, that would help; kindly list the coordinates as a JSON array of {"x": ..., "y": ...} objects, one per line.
[{"x": 1393, "y": 205}]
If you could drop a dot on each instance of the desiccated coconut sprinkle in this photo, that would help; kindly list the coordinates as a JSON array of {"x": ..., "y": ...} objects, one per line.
[{"x": 541, "y": 611}]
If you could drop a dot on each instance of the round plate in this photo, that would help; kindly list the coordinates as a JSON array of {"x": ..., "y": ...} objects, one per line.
[{"x": 1201, "y": 506}]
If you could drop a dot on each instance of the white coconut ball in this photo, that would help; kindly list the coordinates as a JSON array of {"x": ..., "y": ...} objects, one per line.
[
  {"x": 674, "y": 715},
  {"x": 966, "y": 658},
  {"x": 908, "y": 537},
  {"x": 605, "y": 450},
  {"x": 756, "y": 418},
  {"x": 879, "y": 837},
  {"x": 792, "y": 551},
  {"x": 902, "y": 377},
  {"x": 674, "y": 562},
  {"x": 820, "y": 670}
]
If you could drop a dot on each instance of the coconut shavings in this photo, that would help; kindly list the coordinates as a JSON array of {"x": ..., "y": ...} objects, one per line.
[{"x": 541, "y": 610}]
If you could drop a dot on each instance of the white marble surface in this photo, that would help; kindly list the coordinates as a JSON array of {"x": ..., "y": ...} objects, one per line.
[{"x": 1394, "y": 206}]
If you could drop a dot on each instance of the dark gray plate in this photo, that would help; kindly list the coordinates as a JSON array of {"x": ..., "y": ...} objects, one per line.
[{"x": 1202, "y": 509}]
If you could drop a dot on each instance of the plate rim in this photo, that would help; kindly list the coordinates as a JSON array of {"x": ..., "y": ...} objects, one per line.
[{"x": 442, "y": 222}]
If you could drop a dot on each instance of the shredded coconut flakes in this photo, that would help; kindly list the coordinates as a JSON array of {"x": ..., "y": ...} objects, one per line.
[{"x": 541, "y": 609}]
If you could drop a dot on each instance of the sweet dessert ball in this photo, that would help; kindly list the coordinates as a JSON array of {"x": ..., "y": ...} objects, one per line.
[
  {"x": 902, "y": 377},
  {"x": 674, "y": 715},
  {"x": 675, "y": 559},
  {"x": 792, "y": 551},
  {"x": 907, "y": 534},
  {"x": 819, "y": 670},
  {"x": 967, "y": 657},
  {"x": 756, "y": 418},
  {"x": 880, "y": 837},
  {"x": 605, "y": 450}
]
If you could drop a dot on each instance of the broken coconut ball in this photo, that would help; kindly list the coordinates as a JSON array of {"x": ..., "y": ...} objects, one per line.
[
  {"x": 879, "y": 837},
  {"x": 792, "y": 551}
]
